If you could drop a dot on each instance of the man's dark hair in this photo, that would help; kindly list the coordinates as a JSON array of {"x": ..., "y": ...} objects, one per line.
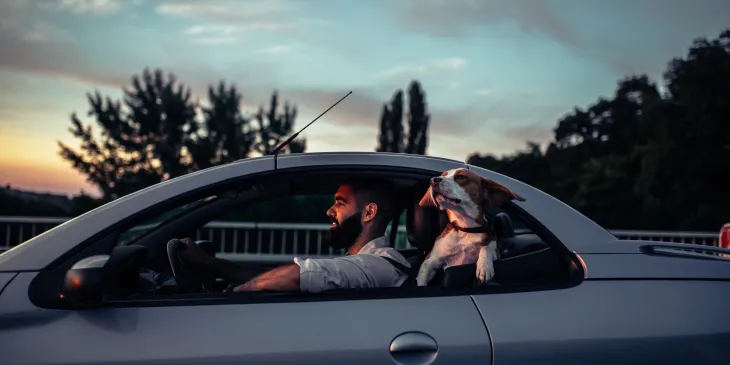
[{"x": 378, "y": 191}]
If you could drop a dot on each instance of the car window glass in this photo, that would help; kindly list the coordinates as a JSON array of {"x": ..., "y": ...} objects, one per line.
[
  {"x": 519, "y": 225},
  {"x": 132, "y": 234},
  {"x": 288, "y": 225}
]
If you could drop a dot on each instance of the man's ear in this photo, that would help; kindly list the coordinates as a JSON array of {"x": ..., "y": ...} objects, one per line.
[
  {"x": 370, "y": 212},
  {"x": 497, "y": 194},
  {"x": 427, "y": 199}
]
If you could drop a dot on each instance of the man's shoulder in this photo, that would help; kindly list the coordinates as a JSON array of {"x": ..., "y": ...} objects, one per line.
[
  {"x": 364, "y": 259},
  {"x": 381, "y": 253}
]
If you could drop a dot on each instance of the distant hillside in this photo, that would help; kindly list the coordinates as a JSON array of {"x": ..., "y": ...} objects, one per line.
[{"x": 17, "y": 202}]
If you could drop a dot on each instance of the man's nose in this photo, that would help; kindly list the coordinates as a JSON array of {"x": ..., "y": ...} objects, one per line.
[{"x": 435, "y": 180}]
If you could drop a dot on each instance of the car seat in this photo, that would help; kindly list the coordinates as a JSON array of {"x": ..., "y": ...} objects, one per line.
[{"x": 423, "y": 226}]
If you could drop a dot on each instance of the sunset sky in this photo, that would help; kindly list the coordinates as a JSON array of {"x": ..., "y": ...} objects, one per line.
[{"x": 496, "y": 73}]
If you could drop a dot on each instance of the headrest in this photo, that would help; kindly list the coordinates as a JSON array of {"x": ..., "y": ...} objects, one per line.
[
  {"x": 503, "y": 225},
  {"x": 423, "y": 225}
]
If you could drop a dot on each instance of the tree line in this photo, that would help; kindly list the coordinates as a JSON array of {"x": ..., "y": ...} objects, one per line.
[
  {"x": 651, "y": 156},
  {"x": 158, "y": 132}
]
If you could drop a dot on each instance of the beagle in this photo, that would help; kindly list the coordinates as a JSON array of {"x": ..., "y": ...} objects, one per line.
[{"x": 468, "y": 237}]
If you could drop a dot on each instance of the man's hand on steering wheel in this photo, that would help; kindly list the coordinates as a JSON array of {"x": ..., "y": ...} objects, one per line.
[
  {"x": 187, "y": 262},
  {"x": 192, "y": 253}
]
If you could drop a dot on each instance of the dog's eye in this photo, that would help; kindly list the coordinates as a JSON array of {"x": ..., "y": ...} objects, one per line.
[{"x": 460, "y": 177}]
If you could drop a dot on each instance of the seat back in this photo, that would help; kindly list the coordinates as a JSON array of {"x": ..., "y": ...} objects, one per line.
[
  {"x": 503, "y": 225},
  {"x": 423, "y": 226}
]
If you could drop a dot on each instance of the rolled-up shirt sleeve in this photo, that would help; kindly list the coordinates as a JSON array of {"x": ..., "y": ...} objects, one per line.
[{"x": 316, "y": 275}]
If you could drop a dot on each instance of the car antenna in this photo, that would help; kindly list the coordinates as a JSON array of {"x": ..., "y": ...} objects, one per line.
[{"x": 288, "y": 140}]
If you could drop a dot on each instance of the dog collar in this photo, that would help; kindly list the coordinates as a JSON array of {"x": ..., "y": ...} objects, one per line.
[{"x": 481, "y": 229}]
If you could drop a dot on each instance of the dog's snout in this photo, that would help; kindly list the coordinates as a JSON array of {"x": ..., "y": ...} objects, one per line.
[{"x": 435, "y": 180}]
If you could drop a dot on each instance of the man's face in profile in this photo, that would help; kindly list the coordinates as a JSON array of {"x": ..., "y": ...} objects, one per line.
[{"x": 346, "y": 216}]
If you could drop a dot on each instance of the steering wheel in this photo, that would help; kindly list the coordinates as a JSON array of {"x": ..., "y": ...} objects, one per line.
[{"x": 185, "y": 280}]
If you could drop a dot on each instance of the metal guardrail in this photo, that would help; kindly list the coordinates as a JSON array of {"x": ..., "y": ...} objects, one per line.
[{"x": 282, "y": 240}]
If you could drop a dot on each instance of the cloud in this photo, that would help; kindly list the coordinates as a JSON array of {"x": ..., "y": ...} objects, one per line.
[
  {"x": 534, "y": 132},
  {"x": 509, "y": 118},
  {"x": 97, "y": 7},
  {"x": 54, "y": 59},
  {"x": 278, "y": 49},
  {"x": 38, "y": 46},
  {"x": 651, "y": 31},
  {"x": 455, "y": 18},
  {"x": 17, "y": 22},
  {"x": 361, "y": 108},
  {"x": 413, "y": 70},
  {"x": 237, "y": 19},
  {"x": 227, "y": 11},
  {"x": 213, "y": 34}
]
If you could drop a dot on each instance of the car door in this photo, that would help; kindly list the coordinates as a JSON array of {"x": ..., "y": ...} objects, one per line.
[
  {"x": 586, "y": 297},
  {"x": 629, "y": 316},
  {"x": 431, "y": 326}
]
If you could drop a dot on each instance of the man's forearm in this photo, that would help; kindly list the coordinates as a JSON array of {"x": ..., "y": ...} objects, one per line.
[{"x": 283, "y": 278}]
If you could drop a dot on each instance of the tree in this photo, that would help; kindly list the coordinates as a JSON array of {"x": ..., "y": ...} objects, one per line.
[
  {"x": 156, "y": 134},
  {"x": 228, "y": 134},
  {"x": 391, "y": 125},
  {"x": 695, "y": 123},
  {"x": 138, "y": 147},
  {"x": 417, "y": 120},
  {"x": 274, "y": 128},
  {"x": 392, "y": 137},
  {"x": 641, "y": 159}
]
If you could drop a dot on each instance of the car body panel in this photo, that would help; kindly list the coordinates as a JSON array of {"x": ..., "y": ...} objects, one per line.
[
  {"x": 645, "y": 266},
  {"x": 367, "y": 159},
  {"x": 611, "y": 322},
  {"x": 313, "y": 332},
  {"x": 5, "y": 279},
  {"x": 40, "y": 251}
]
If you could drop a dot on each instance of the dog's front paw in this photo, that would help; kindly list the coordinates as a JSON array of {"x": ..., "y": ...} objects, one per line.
[
  {"x": 485, "y": 267},
  {"x": 485, "y": 273}
]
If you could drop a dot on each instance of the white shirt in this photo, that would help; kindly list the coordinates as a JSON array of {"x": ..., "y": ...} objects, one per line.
[{"x": 362, "y": 270}]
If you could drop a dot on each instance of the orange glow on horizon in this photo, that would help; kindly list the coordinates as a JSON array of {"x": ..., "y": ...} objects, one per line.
[{"x": 30, "y": 161}]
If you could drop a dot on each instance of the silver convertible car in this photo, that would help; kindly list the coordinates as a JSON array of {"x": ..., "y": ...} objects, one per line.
[{"x": 98, "y": 290}]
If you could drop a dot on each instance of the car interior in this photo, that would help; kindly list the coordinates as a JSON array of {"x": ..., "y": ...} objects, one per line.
[{"x": 529, "y": 256}]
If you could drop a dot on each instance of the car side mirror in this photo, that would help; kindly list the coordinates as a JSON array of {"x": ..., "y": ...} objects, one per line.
[
  {"x": 92, "y": 279},
  {"x": 83, "y": 285}
]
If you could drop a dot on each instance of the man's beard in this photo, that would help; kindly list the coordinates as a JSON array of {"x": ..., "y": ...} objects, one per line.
[{"x": 344, "y": 235}]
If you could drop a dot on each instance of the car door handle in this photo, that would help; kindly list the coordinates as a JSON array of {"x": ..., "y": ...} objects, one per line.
[{"x": 413, "y": 348}]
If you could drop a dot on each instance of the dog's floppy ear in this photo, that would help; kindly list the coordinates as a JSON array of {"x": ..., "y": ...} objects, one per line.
[
  {"x": 427, "y": 199},
  {"x": 498, "y": 194}
]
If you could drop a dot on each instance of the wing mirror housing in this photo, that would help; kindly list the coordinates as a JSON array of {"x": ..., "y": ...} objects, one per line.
[
  {"x": 83, "y": 284},
  {"x": 94, "y": 278}
]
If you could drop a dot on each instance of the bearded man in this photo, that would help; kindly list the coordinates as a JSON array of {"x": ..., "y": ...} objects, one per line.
[{"x": 360, "y": 215}]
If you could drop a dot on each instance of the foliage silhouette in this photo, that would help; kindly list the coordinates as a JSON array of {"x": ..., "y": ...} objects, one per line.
[
  {"x": 157, "y": 133},
  {"x": 643, "y": 159},
  {"x": 392, "y": 136}
]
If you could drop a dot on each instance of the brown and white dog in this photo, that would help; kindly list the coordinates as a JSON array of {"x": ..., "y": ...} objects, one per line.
[{"x": 466, "y": 239}]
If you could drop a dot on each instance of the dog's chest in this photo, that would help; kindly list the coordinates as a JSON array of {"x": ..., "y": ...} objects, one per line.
[{"x": 458, "y": 247}]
